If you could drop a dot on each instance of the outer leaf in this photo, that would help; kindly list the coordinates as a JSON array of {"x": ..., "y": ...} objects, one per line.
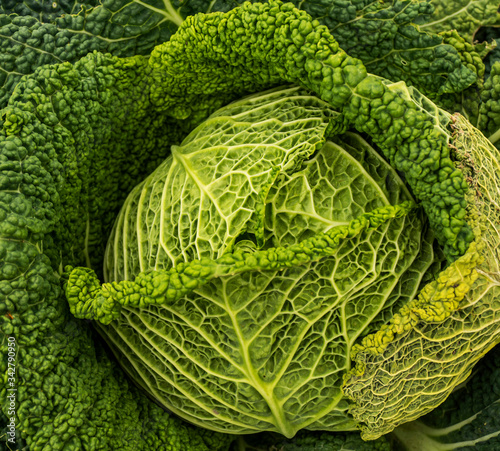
[
  {"x": 309, "y": 441},
  {"x": 489, "y": 112},
  {"x": 128, "y": 128},
  {"x": 380, "y": 33},
  {"x": 44, "y": 34},
  {"x": 453, "y": 323},
  {"x": 73, "y": 139},
  {"x": 489, "y": 49},
  {"x": 479, "y": 103},
  {"x": 468, "y": 101},
  {"x": 467, "y": 420},
  {"x": 383, "y": 35},
  {"x": 465, "y": 16},
  {"x": 45, "y": 10}
]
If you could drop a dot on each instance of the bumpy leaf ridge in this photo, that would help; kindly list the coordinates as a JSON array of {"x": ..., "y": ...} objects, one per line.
[{"x": 454, "y": 321}]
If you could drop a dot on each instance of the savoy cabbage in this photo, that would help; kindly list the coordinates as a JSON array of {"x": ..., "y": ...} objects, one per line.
[{"x": 321, "y": 256}]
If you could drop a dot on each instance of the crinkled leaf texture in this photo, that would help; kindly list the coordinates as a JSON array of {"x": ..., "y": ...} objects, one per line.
[
  {"x": 489, "y": 111},
  {"x": 465, "y": 16},
  {"x": 468, "y": 420},
  {"x": 454, "y": 321},
  {"x": 34, "y": 33},
  {"x": 74, "y": 140},
  {"x": 382, "y": 34},
  {"x": 45, "y": 11}
]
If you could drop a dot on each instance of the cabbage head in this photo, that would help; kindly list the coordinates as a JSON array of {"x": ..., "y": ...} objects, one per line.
[
  {"x": 263, "y": 255},
  {"x": 274, "y": 251}
]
